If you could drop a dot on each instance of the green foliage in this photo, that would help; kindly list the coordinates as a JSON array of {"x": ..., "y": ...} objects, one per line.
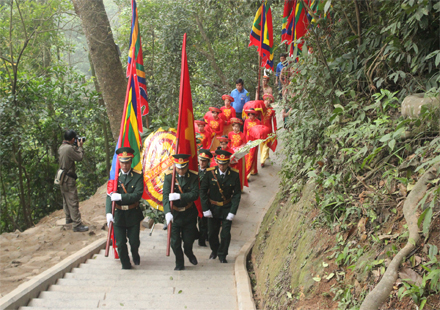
[
  {"x": 40, "y": 98},
  {"x": 217, "y": 51}
]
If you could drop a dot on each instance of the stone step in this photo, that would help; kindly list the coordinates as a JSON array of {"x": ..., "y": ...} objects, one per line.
[
  {"x": 121, "y": 275},
  {"x": 128, "y": 282},
  {"x": 223, "y": 288},
  {"x": 156, "y": 302}
]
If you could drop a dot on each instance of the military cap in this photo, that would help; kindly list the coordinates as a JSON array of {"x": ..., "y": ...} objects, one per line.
[
  {"x": 222, "y": 156},
  {"x": 205, "y": 154},
  {"x": 181, "y": 160},
  {"x": 125, "y": 154}
]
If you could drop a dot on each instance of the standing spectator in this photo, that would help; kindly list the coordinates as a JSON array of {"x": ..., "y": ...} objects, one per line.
[
  {"x": 241, "y": 96},
  {"x": 278, "y": 76},
  {"x": 69, "y": 153},
  {"x": 266, "y": 88}
]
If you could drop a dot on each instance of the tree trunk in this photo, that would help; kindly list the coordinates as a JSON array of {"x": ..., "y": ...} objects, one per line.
[
  {"x": 105, "y": 58},
  {"x": 103, "y": 120}
]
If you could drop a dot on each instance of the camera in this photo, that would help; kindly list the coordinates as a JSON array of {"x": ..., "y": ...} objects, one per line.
[{"x": 79, "y": 139}]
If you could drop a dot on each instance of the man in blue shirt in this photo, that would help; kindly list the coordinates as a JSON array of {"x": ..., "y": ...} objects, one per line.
[
  {"x": 280, "y": 67},
  {"x": 241, "y": 96}
]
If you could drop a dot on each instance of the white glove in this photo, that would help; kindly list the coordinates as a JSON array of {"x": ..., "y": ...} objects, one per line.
[
  {"x": 116, "y": 197},
  {"x": 168, "y": 218},
  {"x": 207, "y": 214},
  {"x": 109, "y": 218},
  {"x": 230, "y": 216},
  {"x": 174, "y": 196}
]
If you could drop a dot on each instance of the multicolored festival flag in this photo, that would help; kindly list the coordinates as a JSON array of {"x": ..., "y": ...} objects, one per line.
[
  {"x": 186, "y": 138},
  {"x": 263, "y": 26},
  {"x": 135, "y": 58},
  {"x": 295, "y": 23}
]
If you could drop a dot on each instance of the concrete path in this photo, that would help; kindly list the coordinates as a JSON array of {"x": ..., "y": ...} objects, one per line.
[{"x": 100, "y": 282}]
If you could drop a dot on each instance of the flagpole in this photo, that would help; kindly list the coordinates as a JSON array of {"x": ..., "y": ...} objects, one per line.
[
  {"x": 115, "y": 185},
  {"x": 263, "y": 14}
]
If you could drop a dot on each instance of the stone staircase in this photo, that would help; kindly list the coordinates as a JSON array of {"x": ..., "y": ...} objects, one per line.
[{"x": 101, "y": 283}]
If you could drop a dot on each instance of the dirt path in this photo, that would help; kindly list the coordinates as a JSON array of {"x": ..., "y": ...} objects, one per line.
[{"x": 26, "y": 254}]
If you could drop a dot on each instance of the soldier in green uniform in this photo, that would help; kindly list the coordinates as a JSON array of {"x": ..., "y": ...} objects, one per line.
[
  {"x": 128, "y": 215},
  {"x": 220, "y": 194},
  {"x": 184, "y": 213},
  {"x": 204, "y": 160}
]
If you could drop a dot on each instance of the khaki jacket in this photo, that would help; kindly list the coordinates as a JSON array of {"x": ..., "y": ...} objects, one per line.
[{"x": 68, "y": 155}]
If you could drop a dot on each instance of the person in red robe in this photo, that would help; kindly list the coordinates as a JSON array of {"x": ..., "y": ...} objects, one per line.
[
  {"x": 228, "y": 112},
  {"x": 216, "y": 124},
  {"x": 268, "y": 119},
  {"x": 251, "y": 158},
  {"x": 236, "y": 141},
  {"x": 205, "y": 134}
]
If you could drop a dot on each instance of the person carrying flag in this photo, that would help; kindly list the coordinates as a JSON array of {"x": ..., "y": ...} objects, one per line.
[
  {"x": 128, "y": 215},
  {"x": 184, "y": 213},
  {"x": 205, "y": 157},
  {"x": 220, "y": 194}
]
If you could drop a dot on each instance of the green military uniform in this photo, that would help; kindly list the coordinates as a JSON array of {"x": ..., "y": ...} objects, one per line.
[
  {"x": 184, "y": 213},
  {"x": 220, "y": 205},
  {"x": 126, "y": 222},
  {"x": 202, "y": 221}
]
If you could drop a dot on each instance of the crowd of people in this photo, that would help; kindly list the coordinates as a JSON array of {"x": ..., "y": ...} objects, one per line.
[{"x": 224, "y": 169}]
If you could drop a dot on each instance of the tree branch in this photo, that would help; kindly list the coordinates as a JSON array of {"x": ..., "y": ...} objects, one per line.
[
  {"x": 349, "y": 23},
  {"x": 210, "y": 54},
  {"x": 22, "y": 21},
  {"x": 358, "y": 18},
  {"x": 382, "y": 290}
]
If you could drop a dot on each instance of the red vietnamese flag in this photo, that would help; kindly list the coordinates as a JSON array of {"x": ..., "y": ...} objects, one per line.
[{"x": 186, "y": 138}]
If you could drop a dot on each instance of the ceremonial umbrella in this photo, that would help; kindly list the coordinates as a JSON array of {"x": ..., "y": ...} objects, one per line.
[{"x": 257, "y": 105}]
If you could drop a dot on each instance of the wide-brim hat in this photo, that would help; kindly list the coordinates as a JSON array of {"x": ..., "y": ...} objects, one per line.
[
  {"x": 181, "y": 160},
  {"x": 251, "y": 111},
  {"x": 200, "y": 122},
  {"x": 205, "y": 154},
  {"x": 235, "y": 120},
  {"x": 270, "y": 96},
  {"x": 231, "y": 99},
  {"x": 125, "y": 154},
  {"x": 222, "y": 157},
  {"x": 223, "y": 139},
  {"x": 214, "y": 109}
]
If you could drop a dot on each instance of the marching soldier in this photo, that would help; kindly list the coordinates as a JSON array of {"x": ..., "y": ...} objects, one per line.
[
  {"x": 204, "y": 161},
  {"x": 128, "y": 215},
  {"x": 184, "y": 216},
  {"x": 220, "y": 194}
]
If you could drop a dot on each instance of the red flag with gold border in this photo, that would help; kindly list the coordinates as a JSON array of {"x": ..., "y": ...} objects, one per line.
[{"x": 185, "y": 128}]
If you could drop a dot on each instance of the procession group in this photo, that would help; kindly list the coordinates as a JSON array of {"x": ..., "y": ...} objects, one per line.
[{"x": 218, "y": 182}]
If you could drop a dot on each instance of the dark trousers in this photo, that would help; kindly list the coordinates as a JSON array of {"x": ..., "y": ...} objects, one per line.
[
  {"x": 203, "y": 228},
  {"x": 184, "y": 228},
  {"x": 219, "y": 247},
  {"x": 121, "y": 234}
]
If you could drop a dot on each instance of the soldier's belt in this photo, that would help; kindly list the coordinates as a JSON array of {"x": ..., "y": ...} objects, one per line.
[
  {"x": 220, "y": 203},
  {"x": 181, "y": 209},
  {"x": 127, "y": 207}
]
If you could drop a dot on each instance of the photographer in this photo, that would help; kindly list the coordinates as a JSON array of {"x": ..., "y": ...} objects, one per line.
[{"x": 70, "y": 152}]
